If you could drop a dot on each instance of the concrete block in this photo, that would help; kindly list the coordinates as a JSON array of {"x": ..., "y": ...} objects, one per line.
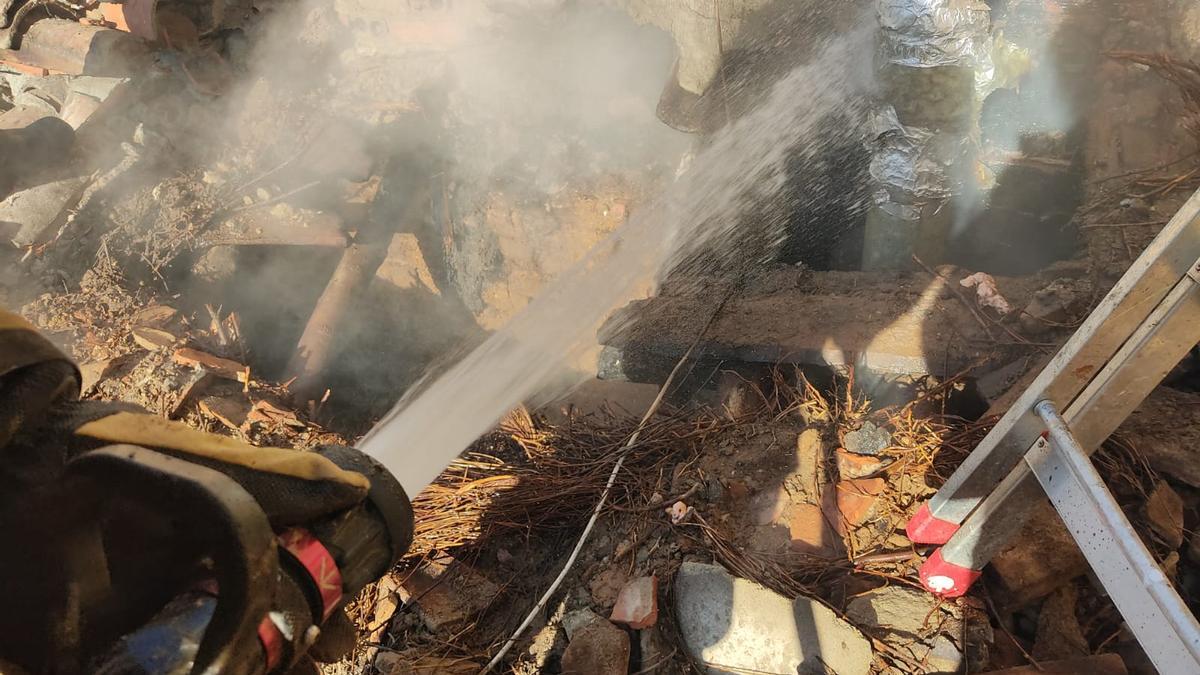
[{"x": 733, "y": 625}]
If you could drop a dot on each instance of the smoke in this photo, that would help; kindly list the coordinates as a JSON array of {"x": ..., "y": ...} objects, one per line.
[
  {"x": 508, "y": 138},
  {"x": 746, "y": 164}
]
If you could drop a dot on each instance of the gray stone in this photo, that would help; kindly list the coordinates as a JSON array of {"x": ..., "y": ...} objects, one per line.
[
  {"x": 735, "y": 626},
  {"x": 897, "y": 608},
  {"x": 576, "y": 621},
  {"x": 943, "y": 656},
  {"x": 913, "y": 621},
  {"x": 869, "y": 439}
]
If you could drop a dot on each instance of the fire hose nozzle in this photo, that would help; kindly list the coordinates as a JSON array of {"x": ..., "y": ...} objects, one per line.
[{"x": 287, "y": 583}]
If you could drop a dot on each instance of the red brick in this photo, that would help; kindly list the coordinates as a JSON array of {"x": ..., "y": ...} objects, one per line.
[{"x": 851, "y": 466}]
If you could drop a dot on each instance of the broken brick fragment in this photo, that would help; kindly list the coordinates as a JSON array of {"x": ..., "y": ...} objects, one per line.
[
  {"x": 195, "y": 358},
  {"x": 857, "y": 499},
  {"x": 637, "y": 603},
  {"x": 851, "y": 465}
]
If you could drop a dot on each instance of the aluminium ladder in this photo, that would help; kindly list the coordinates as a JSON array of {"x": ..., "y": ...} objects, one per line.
[{"x": 1144, "y": 326}]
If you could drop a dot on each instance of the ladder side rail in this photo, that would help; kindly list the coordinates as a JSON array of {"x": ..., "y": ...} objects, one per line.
[
  {"x": 1121, "y": 385},
  {"x": 1152, "y": 610},
  {"x": 1123, "y": 309}
]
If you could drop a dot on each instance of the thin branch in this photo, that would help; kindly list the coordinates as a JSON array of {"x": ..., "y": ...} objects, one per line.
[{"x": 612, "y": 478}]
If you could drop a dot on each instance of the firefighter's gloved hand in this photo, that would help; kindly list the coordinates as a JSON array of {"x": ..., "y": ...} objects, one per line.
[
  {"x": 43, "y": 426},
  {"x": 293, "y": 487}
]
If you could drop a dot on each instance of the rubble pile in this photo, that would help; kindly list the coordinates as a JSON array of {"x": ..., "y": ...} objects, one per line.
[{"x": 276, "y": 248}]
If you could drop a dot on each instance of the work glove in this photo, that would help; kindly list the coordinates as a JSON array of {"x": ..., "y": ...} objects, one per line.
[{"x": 48, "y": 622}]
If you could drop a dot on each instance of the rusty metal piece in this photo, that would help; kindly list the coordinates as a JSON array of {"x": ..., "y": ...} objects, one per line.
[
  {"x": 72, "y": 48},
  {"x": 315, "y": 350}
]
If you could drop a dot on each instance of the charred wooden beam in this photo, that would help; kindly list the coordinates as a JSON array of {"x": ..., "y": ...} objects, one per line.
[{"x": 315, "y": 350}]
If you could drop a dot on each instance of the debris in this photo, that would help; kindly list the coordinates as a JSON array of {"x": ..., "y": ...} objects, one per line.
[
  {"x": 1099, "y": 664},
  {"x": 1037, "y": 561},
  {"x": 914, "y": 622},
  {"x": 576, "y": 621},
  {"x": 132, "y": 17},
  {"x": 986, "y": 292},
  {"x": 869, "y": 439},
  {"x": 943, "y": 656},
  {"x": 412, "y": 662},
  {"x": 679, "y": 512},
  {"x": 227, "y": 410},
  {"x": 78, "y": 107},
  {"x": 1058, "y": 633},
  {"x": 193, "y": 383},
  {"x": 811, "y": 532},
  {"x": 226, "y": 368},
  {"x": 901, "y": 609},
  {"x": 154, "y": 316},
  {"x": 654, "y": 648},
  {"x": 385, "y": 605},
  {"x": 637, "y": 604},
  {"x": 216, "y": 265},
  {"x": 810, "y": 465},
  {"x": 264, "y": 412},
  {"x": 851, "y": 465},
  {"x": 36, "y": 210},
  {"x": 315, "y": 349},
  {"x": 404, "y": 265},
  {"x": 768, "y": 505},
  {"x": 152, "y": 339},
  {"x": 92, "y": 372},
  {"x": 447, "y": 592},
  {"x": 735, "y": 625},
  {"x": 1164, "y": 511},
  {"x": 281, "y": 225},
  {"x": 874, "y": 329},
  {"x": 1167, "y": 428},
  {"x": 606, "y": 585},
  {"x": 73, "y": 48},
  {"x": 599, "y": 648},
  {"x": 857, "y": 499},
  {"x": 1054, "y": 306}
]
